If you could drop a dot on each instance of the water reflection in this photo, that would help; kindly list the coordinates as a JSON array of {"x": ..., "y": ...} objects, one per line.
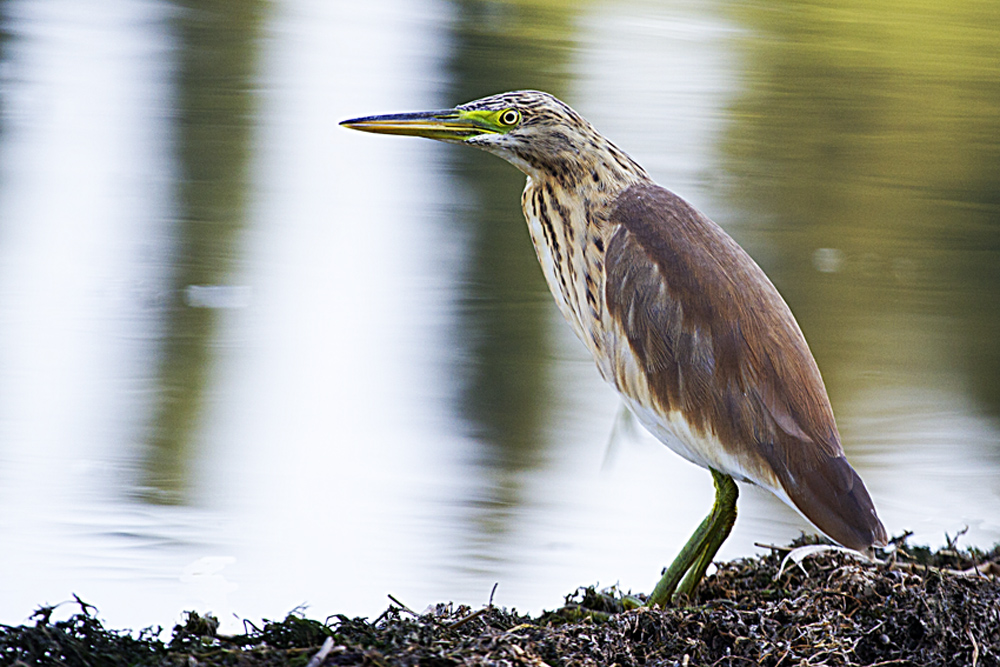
[
  {"x": 5, "y": 37},
  {"x": 505, "y": 312},
  {"x": 241, "y": 371},
  {"x": 218, "y": 45},
  {"x": 859, "y": 142}
]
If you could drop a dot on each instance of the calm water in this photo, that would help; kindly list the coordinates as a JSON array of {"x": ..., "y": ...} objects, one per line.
[{"x": 250, "y": 360}]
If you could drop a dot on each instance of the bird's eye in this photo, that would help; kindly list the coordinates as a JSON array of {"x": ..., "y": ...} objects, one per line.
[{"x": 510, "y": 117}]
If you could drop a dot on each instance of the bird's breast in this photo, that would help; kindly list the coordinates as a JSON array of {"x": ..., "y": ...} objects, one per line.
[{"x": 569, "y": 243}]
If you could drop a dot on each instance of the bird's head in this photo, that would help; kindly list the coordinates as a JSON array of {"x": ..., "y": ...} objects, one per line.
[{"x": 530, "y": 129}]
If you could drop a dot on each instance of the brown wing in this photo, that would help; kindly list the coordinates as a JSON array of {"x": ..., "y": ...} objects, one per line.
[{"x": 718, "y": 343}]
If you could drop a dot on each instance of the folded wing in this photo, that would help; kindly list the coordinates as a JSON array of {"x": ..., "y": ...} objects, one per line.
[{"x": 717, "y": 344}]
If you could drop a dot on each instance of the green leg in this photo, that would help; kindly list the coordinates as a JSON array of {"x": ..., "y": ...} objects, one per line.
[
  {"x": 701, "y": 548},
  {"x": 724, "y": 513}
]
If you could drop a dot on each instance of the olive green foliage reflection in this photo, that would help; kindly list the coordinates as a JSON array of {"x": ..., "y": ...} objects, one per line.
[
  {"x": 874, "y": 129},
  {"x": 4, "y": 41},
  {"x": 217, "y": 50},
  {"x": 498, "y": 48},
  {"x": 506, "y": 309}
]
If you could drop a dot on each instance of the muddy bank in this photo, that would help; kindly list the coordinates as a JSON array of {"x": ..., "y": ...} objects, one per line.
[{"x": 826, "y": 608}]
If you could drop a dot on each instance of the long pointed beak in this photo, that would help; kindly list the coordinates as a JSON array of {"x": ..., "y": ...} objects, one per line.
[{"x": 446, "y": 125}]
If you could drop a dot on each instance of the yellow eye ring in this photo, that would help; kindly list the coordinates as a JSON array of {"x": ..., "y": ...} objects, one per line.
[{"x": 510, "y": 117}]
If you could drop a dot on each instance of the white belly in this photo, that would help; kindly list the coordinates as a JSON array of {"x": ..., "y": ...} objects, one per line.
[{"x": 703, "y": 450}]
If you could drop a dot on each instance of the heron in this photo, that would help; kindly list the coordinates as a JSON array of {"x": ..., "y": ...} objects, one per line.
[{"x": 680, "y": 321}]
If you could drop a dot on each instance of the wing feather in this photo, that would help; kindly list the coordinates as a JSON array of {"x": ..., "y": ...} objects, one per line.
[{"x": 718, "y": 344}]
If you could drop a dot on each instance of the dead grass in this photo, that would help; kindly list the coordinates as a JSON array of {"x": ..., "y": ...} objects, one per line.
[{"x": 921, "y": 608}]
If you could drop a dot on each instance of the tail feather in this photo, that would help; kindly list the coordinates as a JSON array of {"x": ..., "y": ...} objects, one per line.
[{"x": 834, "y": 497}]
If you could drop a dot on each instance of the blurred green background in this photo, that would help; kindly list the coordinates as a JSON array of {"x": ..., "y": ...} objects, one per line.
[{"x": 249, "y": 359}]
